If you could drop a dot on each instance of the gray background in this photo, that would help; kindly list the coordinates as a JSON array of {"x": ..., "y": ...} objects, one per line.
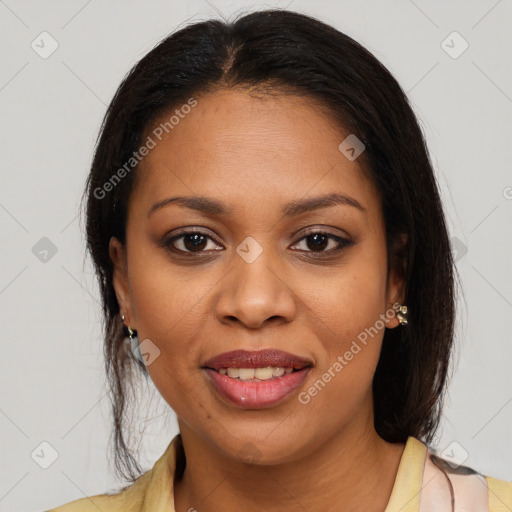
[{"x": 52, "y": 383}]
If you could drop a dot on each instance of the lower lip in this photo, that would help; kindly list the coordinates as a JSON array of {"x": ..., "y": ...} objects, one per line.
[{"x": 256, "y": 395}]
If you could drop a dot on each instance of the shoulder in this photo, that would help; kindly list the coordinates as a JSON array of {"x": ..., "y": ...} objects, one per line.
[
  {"x": 153, "y": 490},
  {"x": 500, "y": 494},
  {"x": 127, "y": 499},
  {"x": 445, "y": 481}
]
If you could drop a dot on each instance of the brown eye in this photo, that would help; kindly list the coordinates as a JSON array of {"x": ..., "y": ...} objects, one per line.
[
  {"x": 194, "y": 242},
  {"x": 319, "y": 241},
  {"x": 190, "y": 242}
]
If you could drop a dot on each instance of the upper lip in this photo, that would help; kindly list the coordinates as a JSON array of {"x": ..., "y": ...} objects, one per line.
[{"x": 256, "y": 359}]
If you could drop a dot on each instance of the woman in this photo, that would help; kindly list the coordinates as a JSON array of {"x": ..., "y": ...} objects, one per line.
[{"x": 267, "y": 231}]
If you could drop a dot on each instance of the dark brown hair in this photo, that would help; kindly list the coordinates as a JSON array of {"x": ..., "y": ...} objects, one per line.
[{"x": 285, "y": 52}]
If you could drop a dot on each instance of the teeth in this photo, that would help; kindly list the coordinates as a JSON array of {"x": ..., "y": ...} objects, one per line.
[
  {"x": 264, "y": 373},
  {"x": 245, "y": 373},
  {"x": 267, "y": 373},
  {"x": 233, "y": 372}
]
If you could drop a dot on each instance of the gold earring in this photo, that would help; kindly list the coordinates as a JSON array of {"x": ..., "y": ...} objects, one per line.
[
  {"x": 131, "y": 332},
  {"x": 401, "y": 314}
]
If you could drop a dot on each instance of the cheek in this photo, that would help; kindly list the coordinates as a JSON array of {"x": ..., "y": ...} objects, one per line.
[
  {"x": 354, "y": 297},
  {"x": 350, "y": 313},
  {"x": 343, "y": 378},
  {"x": 170, "y": 314},
  {"x": 168, "y": 303}
]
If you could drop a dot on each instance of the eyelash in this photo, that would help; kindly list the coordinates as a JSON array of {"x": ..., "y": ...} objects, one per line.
[{"x": 343, "y": 243}]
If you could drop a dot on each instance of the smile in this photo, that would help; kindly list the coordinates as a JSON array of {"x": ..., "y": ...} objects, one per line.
[
  {"x": 247, "y": 391},
  {"x": 255, "y": 374}
]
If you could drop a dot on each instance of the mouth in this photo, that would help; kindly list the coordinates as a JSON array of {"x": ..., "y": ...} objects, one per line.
[
  {"x": 256, "y": 380},
  {"x": 258, "y": 360},
  {"x": 260, "y": 374}
]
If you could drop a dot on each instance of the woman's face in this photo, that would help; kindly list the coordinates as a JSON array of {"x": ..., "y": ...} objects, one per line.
[{"x": 257, "y": 279}]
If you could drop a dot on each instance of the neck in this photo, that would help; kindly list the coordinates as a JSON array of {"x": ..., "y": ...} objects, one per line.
[{"x": 353, "y": 470}]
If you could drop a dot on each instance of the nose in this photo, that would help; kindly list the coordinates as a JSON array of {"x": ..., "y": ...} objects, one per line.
[{"x": 255, "y": 293}]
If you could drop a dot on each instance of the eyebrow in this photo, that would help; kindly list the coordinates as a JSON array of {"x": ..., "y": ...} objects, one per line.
[{"x": 210, "y": 206}]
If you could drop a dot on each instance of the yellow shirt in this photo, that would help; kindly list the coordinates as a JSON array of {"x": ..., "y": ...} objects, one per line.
[{"x": 422, "y": 484}]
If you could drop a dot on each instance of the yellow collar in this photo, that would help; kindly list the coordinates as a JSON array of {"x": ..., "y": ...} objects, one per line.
[{"x": 405, "y": 496}]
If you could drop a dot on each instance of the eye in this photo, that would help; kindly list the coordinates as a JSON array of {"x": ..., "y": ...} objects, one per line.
[
  {"x": 191, "y": 242},
  {"x": 317, "y": 241}
]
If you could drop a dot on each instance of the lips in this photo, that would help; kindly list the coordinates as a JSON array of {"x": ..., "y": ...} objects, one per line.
[
  {"x": 256, "y": 359},
  {"x": 255, "y": 393}
]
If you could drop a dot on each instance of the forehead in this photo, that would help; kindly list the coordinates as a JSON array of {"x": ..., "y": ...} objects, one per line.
[{"x": 242, "y": 148}]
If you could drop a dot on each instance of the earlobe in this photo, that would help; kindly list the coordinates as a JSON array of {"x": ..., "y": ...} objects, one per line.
[
  {"x": 398, "y": 316},
  {"x": 392, "y": 320},
  {"x": 396, "y": 283}
]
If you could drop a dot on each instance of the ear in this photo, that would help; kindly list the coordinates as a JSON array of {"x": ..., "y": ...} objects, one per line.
[
  {"x": 117, "y": 253},
  {"x": 395, "y": 291}
]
